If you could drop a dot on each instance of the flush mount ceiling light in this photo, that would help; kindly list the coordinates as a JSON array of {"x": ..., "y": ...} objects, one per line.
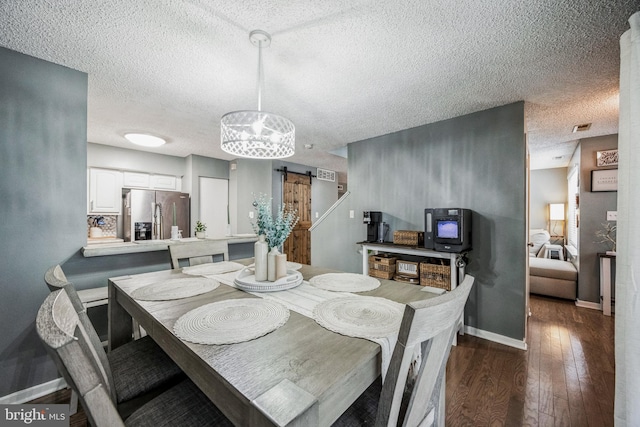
[
  {"x": 144, "y": 139},
  {"x": 256, "y": 134}
]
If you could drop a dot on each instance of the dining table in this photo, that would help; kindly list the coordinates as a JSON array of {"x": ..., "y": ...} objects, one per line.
[{"x": 298, "y": 374}]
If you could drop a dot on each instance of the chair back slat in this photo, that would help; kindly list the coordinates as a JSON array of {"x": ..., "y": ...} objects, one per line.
[
  {"x": 62, "y": 331},
  {"x": 430, "y": 327},
  {"x": 200, "y": 252},
  {"x": 55, "y": 278}
]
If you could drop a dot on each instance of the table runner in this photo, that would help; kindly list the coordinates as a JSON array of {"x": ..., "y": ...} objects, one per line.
[{"x": 303, "y": 299}]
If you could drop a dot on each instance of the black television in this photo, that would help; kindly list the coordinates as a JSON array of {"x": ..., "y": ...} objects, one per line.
[{"x": 451, "y": 229}]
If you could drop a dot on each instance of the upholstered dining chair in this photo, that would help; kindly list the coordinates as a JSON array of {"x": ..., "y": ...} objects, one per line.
[
  {"x": 67, "y": 338},
  {"x": 56, "y": 279},
  {"x": 414, "y": 399},
  {"x": 200, "y": 252},
  {"x": 138, "y": 369}
]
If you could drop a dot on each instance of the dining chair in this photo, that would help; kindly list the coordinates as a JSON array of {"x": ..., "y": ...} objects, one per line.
[
  {"x": 67, "y": 339},
  {"x": 200, "y": 252},
  {"x": 137, "y": 371},
  {"x": 413, "y": 391},
  {"x": 56, "y": 279}
]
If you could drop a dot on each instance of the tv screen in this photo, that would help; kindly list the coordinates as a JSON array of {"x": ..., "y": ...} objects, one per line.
[{"x": 447, "y": 229}]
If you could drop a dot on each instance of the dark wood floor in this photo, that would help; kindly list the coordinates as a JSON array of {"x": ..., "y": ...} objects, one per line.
[{"x": 566, "y": 378}]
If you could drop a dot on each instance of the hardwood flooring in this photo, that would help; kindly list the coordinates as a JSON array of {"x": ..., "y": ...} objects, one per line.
[{"x": 565, "y": 378}]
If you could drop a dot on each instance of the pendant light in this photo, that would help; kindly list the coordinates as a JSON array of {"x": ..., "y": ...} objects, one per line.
[{"x": 257, "y": 134}]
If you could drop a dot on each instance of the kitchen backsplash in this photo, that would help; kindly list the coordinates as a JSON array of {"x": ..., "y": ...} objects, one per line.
[{"x": 109, "y": 228}]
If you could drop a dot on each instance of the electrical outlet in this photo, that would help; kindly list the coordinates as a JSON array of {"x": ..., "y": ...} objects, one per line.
[
  {"x": 352, "y": 214},
  {"x": 612, "y": 215},
  {"x": 251, "y": 214}
]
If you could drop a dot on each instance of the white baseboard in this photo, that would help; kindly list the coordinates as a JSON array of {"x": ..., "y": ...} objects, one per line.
[
  {"x": 500, "y": 339},
  {"x": 589, "y": 304},
  {"x": 27, "y": 395}
]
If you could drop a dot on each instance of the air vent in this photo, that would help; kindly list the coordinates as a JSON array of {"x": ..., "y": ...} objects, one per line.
[
  {"x": 326, "y": 175},
  {"x": 581, "y": 128}
]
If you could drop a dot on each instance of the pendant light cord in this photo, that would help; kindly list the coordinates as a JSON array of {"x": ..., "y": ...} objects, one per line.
[{"x": 260, "y": 76}]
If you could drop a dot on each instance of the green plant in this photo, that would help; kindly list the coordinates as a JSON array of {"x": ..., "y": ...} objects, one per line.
[
  {"x": 608, "y": 235},
  {"x": 275, "y": 230},
  {"x": 200, "y": 226}
]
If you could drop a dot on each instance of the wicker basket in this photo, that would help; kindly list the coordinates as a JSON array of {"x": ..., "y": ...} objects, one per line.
[
  {"x": 382, "y": 266},
  {"x": 408, "y": 237},
  {"x": 381, "y": 274},
  {"x": 436, "y": 274}
]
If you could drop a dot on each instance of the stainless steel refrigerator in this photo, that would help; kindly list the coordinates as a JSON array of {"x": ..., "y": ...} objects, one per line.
[{"x": 149, "y": 214}]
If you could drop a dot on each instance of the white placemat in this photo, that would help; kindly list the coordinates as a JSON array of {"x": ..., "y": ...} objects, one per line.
[
  {"x": 231, "y": 321},
  {"x": 212, "y": 268},
  {"x": 360, "y": 316},
  {"x": 345, "y": 282},
  {"x": 175, "y": 289},
  {"x": 376, "y": 319}
]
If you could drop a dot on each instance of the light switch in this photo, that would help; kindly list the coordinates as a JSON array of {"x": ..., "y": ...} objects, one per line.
[
  {"x": 352, "y": 214},
  {"x": 317, "y": 215},
  {"x": 612, "y": 215},
  {"x": 251, "y": 214}
]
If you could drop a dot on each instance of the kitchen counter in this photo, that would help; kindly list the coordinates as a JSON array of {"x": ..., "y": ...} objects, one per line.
[{"x": 105, "y": 249}]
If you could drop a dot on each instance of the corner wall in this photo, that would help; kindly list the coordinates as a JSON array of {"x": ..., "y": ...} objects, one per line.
[
  {"x": 593, "y": 213},
  {"x": 43, "y": 158},
  {"x": 475, "y": 161}
]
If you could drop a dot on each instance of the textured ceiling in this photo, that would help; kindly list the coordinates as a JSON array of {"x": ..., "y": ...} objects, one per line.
[{"x": 341, "y": 71}]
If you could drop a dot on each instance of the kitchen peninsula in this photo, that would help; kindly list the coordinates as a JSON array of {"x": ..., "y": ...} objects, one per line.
[{"x": 105, "y": 249}]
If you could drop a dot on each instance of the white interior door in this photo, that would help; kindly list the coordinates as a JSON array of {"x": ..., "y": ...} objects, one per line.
[{"x": 214, "y": 205}]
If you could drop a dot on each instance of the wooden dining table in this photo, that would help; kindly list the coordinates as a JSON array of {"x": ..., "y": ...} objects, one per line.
[{"x": 299, "y": 374}]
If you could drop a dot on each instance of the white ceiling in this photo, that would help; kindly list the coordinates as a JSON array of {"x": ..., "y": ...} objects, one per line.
[{"x": 341, "y": 71}]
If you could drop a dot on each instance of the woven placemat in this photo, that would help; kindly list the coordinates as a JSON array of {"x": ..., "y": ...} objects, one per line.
[
  {"x": 360, "y": 316},
  {"x": 184, "y": 287},
  {"x": 231, "y": 321},
  {"x": 212, "y": 268},
  {"x": 345, "y": 282}
]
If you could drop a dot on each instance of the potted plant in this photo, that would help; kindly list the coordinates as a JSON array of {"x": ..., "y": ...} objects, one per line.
[{"x": 201, "y": 229}]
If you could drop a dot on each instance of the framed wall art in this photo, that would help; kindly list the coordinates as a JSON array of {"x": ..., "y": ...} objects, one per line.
[
  {"x": 604, "y": 180},
  {"x": 607, "y": 158}
]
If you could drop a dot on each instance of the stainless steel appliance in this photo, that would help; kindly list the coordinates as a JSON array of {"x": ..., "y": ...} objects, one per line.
[{"x": 149, "y": 214}]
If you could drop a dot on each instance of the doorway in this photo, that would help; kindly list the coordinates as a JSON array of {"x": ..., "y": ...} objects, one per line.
[{"x": 296, "y": 193}]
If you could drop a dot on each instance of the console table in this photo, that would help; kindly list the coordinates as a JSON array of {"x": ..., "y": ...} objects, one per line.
[
  {"x": 457, "y": 273},
  {"x": 606, "y": 281}
]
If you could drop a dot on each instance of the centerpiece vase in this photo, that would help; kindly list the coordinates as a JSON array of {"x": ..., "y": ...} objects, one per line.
[
  {"x": 260, "y": 249},
  {"x": 271, "y": 264}
]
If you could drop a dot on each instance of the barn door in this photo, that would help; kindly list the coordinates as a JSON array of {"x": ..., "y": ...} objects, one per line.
[{"x": 296, "y": 193}]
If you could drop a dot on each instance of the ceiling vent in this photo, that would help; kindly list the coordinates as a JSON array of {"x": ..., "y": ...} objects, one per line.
[
  {"x": 581, "y": 128},
  {"x": 326, "y": 175}
]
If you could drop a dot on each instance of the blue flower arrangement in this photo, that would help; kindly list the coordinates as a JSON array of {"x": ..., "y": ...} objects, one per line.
[{"x": 275, "y": 230}]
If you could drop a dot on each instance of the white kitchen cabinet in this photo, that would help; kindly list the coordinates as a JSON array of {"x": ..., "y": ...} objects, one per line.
[
  {"x": 136, "y": 179},
  {"x": 163, "y": 182},
  {"x": 105, "y": 191}
]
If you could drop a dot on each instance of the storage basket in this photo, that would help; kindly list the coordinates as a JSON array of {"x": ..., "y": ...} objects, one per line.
[
  {"x": 436, "y": 274},
  {"x": 407, "y": 268},
  {"x": 381, "y": 274},
  {"x": 382, "y": 266},
  {"x": 408, "y": 237}
]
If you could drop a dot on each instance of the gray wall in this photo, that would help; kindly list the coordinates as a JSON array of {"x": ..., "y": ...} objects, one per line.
[
  {"x": 43, "y": 158},
  {"x": 593, "y": 213},
  {"x": 475, "y": 161},
  {"x": 251, "y": 177},
  {"x": 547, "y": 186}
]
